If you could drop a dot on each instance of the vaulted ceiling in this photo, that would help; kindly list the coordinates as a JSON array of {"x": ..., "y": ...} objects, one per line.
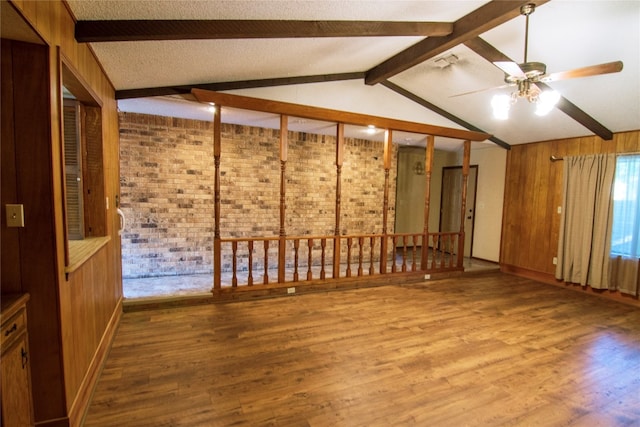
[{"x": 384, "y": 58}]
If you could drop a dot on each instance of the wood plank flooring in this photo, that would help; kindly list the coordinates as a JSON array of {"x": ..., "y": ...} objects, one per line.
[{"x": 487, "y": 350}]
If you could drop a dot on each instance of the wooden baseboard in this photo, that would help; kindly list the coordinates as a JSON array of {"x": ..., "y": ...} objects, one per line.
[
  {"x": 83, "y": 397},
  {"x": 56, "y": 422},
  {"x": 247, "y": 293},
  {"x": 551, "y": 280}
]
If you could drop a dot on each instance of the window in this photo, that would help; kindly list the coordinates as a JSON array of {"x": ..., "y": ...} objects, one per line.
[
  {"x": 625, "y": 233},
  {"x": 73, "y": 169},
  {"x": 83, "y": 170}
]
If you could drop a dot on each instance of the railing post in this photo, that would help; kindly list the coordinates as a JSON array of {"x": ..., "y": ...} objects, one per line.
[
  {"x": 282, "y": 246},
  {"x": 388, "y": 139},
  {"x": 217, "y": 244},
  {"x": 428, "y": 167},
  {"x": 465, "y": 178},
  {"x": 336, "y": 233}
]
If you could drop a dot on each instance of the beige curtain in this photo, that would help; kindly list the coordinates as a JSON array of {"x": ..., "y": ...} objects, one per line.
[
  {"x": 584, "y": 244},
  {"x": 624, "y": 275}
]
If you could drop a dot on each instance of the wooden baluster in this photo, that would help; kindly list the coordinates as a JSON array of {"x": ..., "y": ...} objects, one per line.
[
  {"x": 349, "y": 241},
  {"x": 296, "y": 246},
  {"x": 250, "y": 278},
  {"x": 323, "y": 244},
  {"x": 360, "y": 255},
  {"x": 433, "y": 251},
  {"x": 445, "y": 242},
  {"x": 404, "y": 254},
  {"x": 371, "y": 246},
  {"x": 394, "y": 240},
  {"x": 234, "y": 252},
  {"x": 414, "y": 253},
  {"x": 266, "y": 262},
  {"x": 454, "y": 250},
  {"x": 309, "y": 259},
  {"x": 452, "y": 245}
]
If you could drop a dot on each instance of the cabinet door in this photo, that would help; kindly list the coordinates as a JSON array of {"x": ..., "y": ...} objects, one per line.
[{"x": 16, "y": 398}]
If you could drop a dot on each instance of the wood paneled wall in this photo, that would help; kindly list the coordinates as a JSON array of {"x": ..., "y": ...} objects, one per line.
[
  {"x": 29, "y": 180},
  {"x": 533, "y": 193},
  {"x": 71, "y": 317}
]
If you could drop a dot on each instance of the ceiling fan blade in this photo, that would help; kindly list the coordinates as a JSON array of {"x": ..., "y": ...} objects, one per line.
[
  {"x": 481, "y": 90},
  {"x": 593, "y": 70},
  {"x": 510, "y": 68}
]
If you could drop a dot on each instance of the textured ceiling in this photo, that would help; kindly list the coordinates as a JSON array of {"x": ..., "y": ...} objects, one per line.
[{"x": 563, "y": 34}]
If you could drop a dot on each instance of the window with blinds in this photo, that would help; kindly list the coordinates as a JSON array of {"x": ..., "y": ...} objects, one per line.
[
  {"x": 73, "y": 169},
  {"x": 83, "y": 170}
]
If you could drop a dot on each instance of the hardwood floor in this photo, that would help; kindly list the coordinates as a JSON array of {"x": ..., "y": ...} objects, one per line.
[{"x": 472, "y": 351}]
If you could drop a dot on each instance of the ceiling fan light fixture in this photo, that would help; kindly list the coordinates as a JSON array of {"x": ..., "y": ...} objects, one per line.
[
  {"x": 546, "y": 101},
  {"x": 501, "y": 105}
]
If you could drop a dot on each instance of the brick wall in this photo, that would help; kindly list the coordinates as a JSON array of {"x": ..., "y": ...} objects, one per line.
[{"x": 167, "y": 171}]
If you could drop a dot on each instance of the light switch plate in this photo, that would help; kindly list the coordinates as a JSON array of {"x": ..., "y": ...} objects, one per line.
[{"x": 15, "y": 215}]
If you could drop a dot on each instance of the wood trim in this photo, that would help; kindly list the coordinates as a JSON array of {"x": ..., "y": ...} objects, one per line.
[
  {"x": 82, "y": 399},
  {"x": 463, "y": 205},
  {"x": 550, "y": 279},
  {"x": 243, "y": 84},
  {"x": 80, "y": 251},
  {"x": 199, "y": 29},
  {"x": 284, "y": 145},
  {"x": 491, "y": 54},
  {"x": 308, "y": 112},
  {"x": 388, "y": 141},
  {"x": 475, "y": 23},
  {"x": 217, "y": 244},
  {"x": 76, "y": 84},
  {"x": 415, "y": 98},
  {"x": 428, "y": 166},
  {"x": 339, "y": 161}
]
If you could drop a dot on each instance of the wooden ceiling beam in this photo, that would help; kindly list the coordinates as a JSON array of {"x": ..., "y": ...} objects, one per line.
[
  {"x": 483, "y": 19},
  {"x": 415, "y": 98},
  {"x": 144, "y": 30},
  {"x": 337, "y": 116},
  {"x": 241, "y": 84},
  {"x": 491, "y": 54}
]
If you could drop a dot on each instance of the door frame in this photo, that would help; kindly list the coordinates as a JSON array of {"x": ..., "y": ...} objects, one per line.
[{"x": 475, "y": 193}]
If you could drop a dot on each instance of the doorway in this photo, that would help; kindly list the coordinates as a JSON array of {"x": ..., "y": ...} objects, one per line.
[{"x": 451, "y": 203}]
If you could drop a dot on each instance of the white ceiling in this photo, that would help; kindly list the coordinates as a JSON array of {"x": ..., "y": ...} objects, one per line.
[{"x": 564, "y": 34}]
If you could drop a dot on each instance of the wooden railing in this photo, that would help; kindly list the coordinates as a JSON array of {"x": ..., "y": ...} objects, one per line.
[{"x": 307, "y": 258}]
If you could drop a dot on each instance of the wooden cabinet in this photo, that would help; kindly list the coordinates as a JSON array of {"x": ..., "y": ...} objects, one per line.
[{"x": 17, "y": 407}]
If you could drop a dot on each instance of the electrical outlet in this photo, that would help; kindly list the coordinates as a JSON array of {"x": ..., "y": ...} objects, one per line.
[
  {"x": 15, "y": 215},
  {"x": 555, "y": 260},
  {"x": 427, "y": 276},
  {"x": 559, "y": 209},
  {"x": 291, "y": 290}
]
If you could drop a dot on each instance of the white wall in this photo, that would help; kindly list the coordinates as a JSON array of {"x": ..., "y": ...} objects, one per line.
[{"x": 492, "y": 163}]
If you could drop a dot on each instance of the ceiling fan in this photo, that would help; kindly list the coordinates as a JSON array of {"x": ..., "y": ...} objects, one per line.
[{"x": 525, "y": 76}]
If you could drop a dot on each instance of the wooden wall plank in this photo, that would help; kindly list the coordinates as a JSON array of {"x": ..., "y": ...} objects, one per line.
[
  {"x": 82, "y": 319},
  {"x": 38, "y": 257},
  {"x": 533, "y": 193},
  {"x": 10, "y": 242}
]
